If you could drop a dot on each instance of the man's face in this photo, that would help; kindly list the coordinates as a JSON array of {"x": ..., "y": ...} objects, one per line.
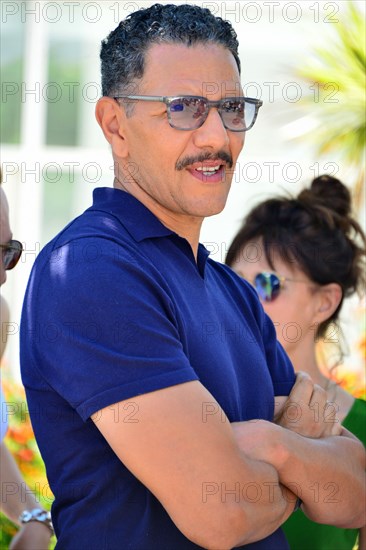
[
  {"x": 163, "y": 160},
  {"x": 5, "y": 233}
]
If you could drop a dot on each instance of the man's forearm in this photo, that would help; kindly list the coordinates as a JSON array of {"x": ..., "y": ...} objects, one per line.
[
  {"x": 327, "y": 474},
  {"x": 330, "y": 473},
  {"x": 262, "y": 504},
  {"x": 265, "y": 502}
]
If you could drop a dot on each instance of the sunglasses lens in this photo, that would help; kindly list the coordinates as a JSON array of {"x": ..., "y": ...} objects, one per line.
[
  {"x": 268, "y": 286},
  {"x": 187, "y": 113},
  {"x": 12, "y": 254},
  {"x": 234, "y": 114}
]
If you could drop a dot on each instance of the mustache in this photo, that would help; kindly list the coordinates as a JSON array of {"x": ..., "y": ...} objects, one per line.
[{"x": 222, "y": 155}]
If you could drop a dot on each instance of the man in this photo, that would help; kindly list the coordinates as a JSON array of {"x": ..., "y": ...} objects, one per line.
[
  {"x": 138, "y": 350},
  {"x": 17, "y": 501}
]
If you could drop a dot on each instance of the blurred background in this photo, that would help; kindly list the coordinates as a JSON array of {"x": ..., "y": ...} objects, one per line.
[
  {"x": 305, "y": 60},
  {"x": 53, "y": 153}
]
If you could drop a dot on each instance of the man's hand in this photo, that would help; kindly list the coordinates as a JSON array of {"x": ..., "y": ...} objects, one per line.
[
  {"x": 327, "y": 473},
  {"x": 307, "y": 411},
  {"x": 257, "y": 439}
]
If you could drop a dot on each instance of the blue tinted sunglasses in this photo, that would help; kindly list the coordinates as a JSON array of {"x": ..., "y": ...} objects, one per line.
[{"x": 268, "y": 284}]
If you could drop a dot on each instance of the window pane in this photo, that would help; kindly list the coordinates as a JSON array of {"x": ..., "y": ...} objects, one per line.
[
  {"x": 63, "y": 92},
  {"x": 11, "y": 66},
  {"x": 66, "y": 194}
]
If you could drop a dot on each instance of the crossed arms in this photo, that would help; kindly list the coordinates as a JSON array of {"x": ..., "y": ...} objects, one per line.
[{"x": 226, "y": 485}]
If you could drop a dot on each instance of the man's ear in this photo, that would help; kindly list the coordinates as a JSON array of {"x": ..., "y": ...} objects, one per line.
[
  {"x": 330, "y": 297},
  {"x": 111, "y": 118}
]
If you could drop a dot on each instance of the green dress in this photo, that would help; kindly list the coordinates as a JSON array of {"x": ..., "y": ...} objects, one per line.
[{"x": 304, "y": 534}]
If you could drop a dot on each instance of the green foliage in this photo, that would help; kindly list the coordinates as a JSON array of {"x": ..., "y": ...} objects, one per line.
[
  {"x": 22, "y": 445},
  {"x": 10, "y": 106},
  {"x": 337, "y": 72}
]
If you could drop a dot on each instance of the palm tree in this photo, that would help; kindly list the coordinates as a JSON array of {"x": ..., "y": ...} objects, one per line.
[
  {"x": 336, "y": 123},
  {"x": 337, "y": 78}
]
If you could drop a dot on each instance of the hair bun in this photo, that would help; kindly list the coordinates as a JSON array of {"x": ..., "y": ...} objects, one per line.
[{"x": 332, "y": 193}]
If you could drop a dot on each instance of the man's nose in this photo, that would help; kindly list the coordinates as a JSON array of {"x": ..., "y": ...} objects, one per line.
[{"x": 212, "y": 133}]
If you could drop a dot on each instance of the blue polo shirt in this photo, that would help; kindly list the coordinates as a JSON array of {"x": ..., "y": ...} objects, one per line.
[{"x": 116, "y": 306}]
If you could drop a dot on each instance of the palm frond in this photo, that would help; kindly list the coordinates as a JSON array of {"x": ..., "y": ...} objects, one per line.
[{"x": 336, "y": 74}]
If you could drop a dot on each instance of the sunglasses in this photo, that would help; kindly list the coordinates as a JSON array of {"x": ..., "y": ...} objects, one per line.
[
  {"x": 11, "y": 253},
  {"x": 238, "y": 114},
  {"x": 268, "y": 284}
]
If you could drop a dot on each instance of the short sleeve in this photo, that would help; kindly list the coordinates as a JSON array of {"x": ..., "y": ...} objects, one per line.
[{"x": 105, "y": 326}]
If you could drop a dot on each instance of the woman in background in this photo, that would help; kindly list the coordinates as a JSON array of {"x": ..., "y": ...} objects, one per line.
[
  {"x": 17, "y": 501},
  {"x": 304, "y": 255}
]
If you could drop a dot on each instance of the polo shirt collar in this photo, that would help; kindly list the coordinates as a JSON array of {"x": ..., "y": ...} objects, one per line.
[{"x": 138, "y": 220}]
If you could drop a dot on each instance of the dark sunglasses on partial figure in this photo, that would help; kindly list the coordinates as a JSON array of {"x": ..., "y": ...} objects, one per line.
[{"x": 11, "y": 253}]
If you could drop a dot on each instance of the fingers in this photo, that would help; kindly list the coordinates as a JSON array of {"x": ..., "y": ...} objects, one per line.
[
  {"x": 318, "y": 398},
  {"x": 331, "y": 418},
  {"x": 324, "y": 412},
  {"x": 307, "y": 410},
  {"x": 303, "y": 388}
]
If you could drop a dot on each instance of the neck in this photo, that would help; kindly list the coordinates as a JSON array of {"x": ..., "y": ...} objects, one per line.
[
  {"x": 186, "y": 226},
  {"x": 305, "y": 360}
]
